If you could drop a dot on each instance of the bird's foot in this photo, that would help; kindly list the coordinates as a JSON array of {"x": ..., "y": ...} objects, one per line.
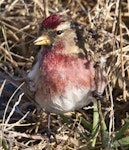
[
  {"x": 97, "y": 95},
  {"x": 49, "y": 132}
]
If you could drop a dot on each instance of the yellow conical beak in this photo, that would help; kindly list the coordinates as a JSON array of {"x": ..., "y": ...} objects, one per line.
[{"x": 42, "y": 40}]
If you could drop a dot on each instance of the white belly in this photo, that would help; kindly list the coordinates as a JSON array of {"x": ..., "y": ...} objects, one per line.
[{"x": 72, "y": 99}]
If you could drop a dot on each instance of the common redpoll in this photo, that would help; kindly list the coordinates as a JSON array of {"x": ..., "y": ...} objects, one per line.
[{"x": 63, "y": 77}]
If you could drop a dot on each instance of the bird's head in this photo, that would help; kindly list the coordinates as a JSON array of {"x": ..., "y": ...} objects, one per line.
[{"x": 57, "y": 34}]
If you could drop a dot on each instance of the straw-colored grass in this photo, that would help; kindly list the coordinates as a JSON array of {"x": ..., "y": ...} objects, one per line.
[{"x": 102, "y": 125}]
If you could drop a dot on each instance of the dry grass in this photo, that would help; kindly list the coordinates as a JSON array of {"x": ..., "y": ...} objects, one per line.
[{"x": 22, "y": 125}]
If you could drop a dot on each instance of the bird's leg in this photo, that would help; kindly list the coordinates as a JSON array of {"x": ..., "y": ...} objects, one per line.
[
  {"x": 48, "y": 125},
  {"x": 97, "y": 95},
  {"x": 100, "y": 82},
  {"x": 49, "y": 132}
]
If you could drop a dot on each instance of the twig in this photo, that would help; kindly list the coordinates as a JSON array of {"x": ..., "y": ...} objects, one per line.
[
  {"x": 2, "y": 86},
  {"x": 46, "y": 11},
  {"x": 121, "y": 54},
  {"x": 9, "y": 103}
]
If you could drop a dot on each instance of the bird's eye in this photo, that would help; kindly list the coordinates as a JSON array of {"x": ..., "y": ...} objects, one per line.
[{"x": 59, "y": 32}]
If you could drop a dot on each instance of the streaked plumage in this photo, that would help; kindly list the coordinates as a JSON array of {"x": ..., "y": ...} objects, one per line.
[{"x": 63, "y": 77}]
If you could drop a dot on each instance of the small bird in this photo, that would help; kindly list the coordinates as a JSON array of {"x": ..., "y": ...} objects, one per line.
[{"x": 63, "y": 77}]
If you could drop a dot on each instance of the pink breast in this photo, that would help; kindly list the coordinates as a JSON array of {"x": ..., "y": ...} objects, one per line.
[{"x": 59, "y": 71}]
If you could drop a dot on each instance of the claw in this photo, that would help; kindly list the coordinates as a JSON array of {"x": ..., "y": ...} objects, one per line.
[{"x": 97, "y": 95}]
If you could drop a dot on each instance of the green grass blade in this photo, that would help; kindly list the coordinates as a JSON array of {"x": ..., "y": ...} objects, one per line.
[
  {"x": 121, "y": 142},
  {"x": 85, "y": 123},
  {"x": 95, "y": 128},
  {"x": 122, "y": 130}
]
